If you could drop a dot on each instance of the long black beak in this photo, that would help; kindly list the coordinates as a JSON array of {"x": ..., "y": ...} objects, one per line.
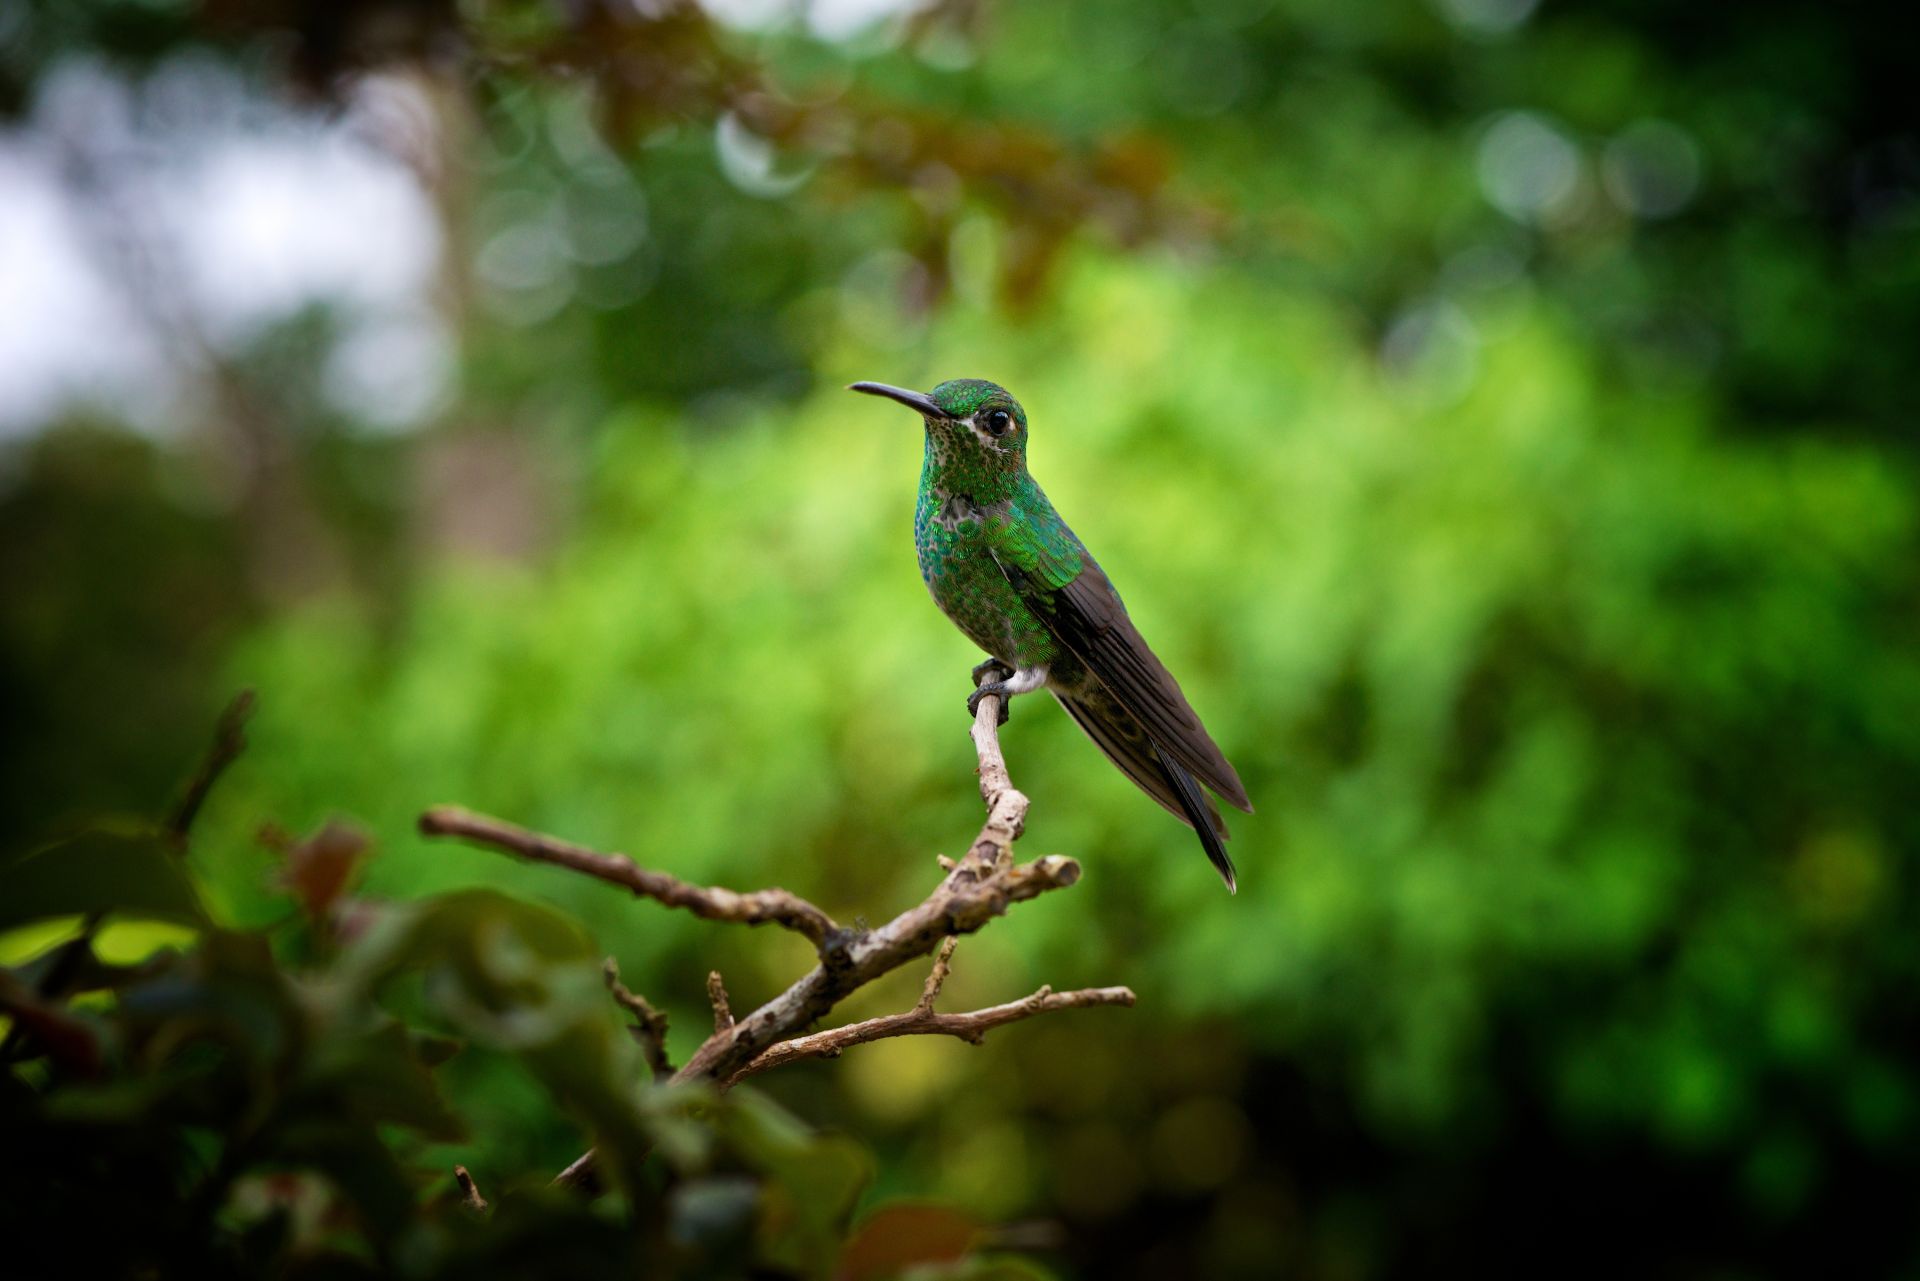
[{"x": 911, "y": 399}]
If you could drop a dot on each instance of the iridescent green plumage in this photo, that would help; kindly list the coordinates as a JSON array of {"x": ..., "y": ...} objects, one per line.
[{"x": 1010, "y": 574}]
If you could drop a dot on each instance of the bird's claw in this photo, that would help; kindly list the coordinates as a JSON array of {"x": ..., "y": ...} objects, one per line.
[
  {"x": 991, "y": 677},
  {"x": 991, "y": 687},
  {"x": 992, "y": 668}
]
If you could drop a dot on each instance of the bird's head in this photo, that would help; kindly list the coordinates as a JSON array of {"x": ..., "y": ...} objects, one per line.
[{"x": 972, "y": 425}]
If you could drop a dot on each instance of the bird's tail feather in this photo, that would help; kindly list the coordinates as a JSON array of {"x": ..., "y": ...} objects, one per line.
[
  {"x": 1194, "y": 802},
  {"x": 1125, "y": 742}
]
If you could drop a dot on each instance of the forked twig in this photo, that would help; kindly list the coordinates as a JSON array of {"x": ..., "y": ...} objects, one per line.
[{"x": 974, "y": 890}]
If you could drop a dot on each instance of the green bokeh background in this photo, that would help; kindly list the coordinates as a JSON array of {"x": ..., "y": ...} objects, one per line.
[{"x": 1550, "y": 577}]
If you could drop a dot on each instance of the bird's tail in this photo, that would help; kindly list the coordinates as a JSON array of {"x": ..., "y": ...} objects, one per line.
[
  {"x": 1126, "y": 743},
  {"x": 1198, "y": 811}
]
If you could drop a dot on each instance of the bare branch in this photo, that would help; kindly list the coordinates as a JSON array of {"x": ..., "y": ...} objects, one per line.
[
  {"x": 974, "y": 890},
  {"x": 1006, "y": 807},
  {"x": 581, "y": 1174},
  {"x": 711, "y": 902},
  {"x": 970, "y": 896},
  {"x": 922, "y": 1021},
  {"x": 937, "y": 978},
  {"x": 722, "y": 1008},
  {"x": 469, "y": 1190},
  {"x": 649, "y": 1025}
]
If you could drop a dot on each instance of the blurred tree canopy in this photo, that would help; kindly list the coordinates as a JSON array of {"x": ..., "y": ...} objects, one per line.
[{"x": 1498, "y": 413}]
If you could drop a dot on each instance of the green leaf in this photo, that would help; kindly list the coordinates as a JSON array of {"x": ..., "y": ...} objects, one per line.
[
  {"x": 497, "y": 946},
  {"x": 134, "y": 872},
  {"x": 812, "y": 1183},
  {"x": 378, "y": 1078},
  {"x": 593, "y": 1072},
  {"x": 525, "y": 980},
  {"x": 999, "y": 1267},
  {"x": 356, "y": 1161}
]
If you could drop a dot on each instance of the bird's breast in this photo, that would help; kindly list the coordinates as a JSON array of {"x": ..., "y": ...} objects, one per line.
[{"x": 956, "y": 561}]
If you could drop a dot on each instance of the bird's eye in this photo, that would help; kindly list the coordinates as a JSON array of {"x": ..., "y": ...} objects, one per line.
[{"x": 999, "y": 421}]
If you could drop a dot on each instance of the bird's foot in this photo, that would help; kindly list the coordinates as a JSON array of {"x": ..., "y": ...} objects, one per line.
[
  {"x": 991, "y": 677},
  {"x": 992, "y": 669},
  {"x": 991, "y": 687}
]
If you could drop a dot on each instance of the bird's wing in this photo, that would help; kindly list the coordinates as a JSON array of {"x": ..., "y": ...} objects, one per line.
[
  {"x": 1122, "y": 740},
  {"x": 1126, "y": 744},
  {"x": 1068, "y": 592}
]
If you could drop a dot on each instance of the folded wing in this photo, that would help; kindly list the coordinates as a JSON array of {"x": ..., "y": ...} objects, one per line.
[{"x": 1085, "y": 614}]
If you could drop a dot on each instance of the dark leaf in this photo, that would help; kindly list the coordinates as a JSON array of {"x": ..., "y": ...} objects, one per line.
[
  {"x": 133, "y": 872},
  {"x": 355, "y": 1160},
  {"x": 432, "y": 1049},
  {"x": 812, "y": 1184},
  {"x": 68, "y": 1041},
  {"x": 321, "y": 868},
  {"x": 904, "y": 1235},
  {"x": 712, "y": 1213},
  {"x": 377, "y": 1078}
]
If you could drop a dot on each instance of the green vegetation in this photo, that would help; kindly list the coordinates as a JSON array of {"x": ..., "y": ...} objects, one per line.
[{"x": 1502, "y": 428}]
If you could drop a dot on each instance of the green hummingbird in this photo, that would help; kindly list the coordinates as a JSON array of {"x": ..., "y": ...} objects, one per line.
[{"x": 1012, "y": 576}]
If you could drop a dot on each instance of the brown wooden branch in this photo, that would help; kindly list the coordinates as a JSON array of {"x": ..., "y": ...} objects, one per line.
[
  {"x": 974, "y": 890},
  {"x": 722, "y": 1008},
  {"x": 937, "y": 976},
  {"x": 711, "y": 902},
  {"x": 921, "y": 1020},
  {"x": 649, "y": 1024},
  {"x": 971, "y": 1026},
  {"x": 469, "y": 1190}
]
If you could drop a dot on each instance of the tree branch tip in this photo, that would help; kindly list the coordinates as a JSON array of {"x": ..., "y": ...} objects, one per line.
[
  {"x": 649, "y": 1028},
  {"x": 469, "y": 1190},
  {"x": 937, "y": 977},
  {"x": 1058, "y": 869},
  {"x": 439, "y": 820},
  {"x": 580, "y": 1174},
  {"x": 229, "y": 741}
]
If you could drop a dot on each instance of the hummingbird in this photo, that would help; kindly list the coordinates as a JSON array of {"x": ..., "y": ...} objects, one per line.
[{"x": 1008, "y": 572}]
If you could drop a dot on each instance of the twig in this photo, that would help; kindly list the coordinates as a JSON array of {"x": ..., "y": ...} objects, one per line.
[
  {"x": 981, "y": 886},
  {"x": 580, "y": 1174},
  {"x": 469, "y": 1190},
  {"x": 1006, "y": 806},
  {"x": 937, "y": 977},
  {"x": 722, "y": 1008},
  {"x": 229, "y": 740},
  {"x": 922, "y": 1021},
  {"x": 711, "y": 902},
  {"x": 649, "y": 1024}
]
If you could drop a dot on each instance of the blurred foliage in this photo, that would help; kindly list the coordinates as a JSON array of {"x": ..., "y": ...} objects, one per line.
[
  {"x": 251, "y": 1103},
  {"x": 1501, "y": 419}
]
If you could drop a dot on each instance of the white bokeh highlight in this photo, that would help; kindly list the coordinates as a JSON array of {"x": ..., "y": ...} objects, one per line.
[{"x": 149, "y": 221}]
